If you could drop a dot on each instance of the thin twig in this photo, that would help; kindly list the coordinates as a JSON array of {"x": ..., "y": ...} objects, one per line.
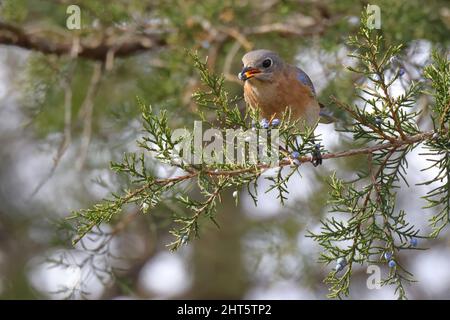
[
  {"x": 67, "y": 136},
  {"x": 357, "y": 117},
  {"x": 229, "y": 60},
  {"x": 87, "y": 110},
  {"x": 263, "y": 167}
]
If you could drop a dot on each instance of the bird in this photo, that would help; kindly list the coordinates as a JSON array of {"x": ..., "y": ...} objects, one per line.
[{"x": 272, "y": 86}]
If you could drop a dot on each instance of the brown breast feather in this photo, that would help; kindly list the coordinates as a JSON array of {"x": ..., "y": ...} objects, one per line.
[{"x": 272, "y": 98}]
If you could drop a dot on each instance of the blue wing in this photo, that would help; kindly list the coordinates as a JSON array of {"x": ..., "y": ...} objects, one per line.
[
  {"x": 325, "y": 115},
  {"x": 305, "y": 80}
]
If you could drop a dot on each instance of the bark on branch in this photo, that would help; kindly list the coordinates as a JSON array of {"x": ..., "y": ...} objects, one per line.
[{"x": 94, "y": 49}]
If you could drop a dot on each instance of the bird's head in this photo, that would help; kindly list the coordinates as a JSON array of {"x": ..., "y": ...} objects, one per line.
[{"x": 260, "y": 65}]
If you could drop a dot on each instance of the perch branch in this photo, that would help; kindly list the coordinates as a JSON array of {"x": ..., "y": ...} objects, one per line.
[{"x": 263, "y": 167}]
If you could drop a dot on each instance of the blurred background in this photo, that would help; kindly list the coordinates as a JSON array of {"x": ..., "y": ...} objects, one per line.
[{"x": 68, "y": 107}]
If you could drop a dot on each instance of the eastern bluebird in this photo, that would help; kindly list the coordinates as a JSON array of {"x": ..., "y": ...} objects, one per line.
[{"x": 272, "y": 85}]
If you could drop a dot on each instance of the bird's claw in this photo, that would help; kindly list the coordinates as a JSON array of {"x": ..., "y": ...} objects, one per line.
[{"x": 316, "y": 156}]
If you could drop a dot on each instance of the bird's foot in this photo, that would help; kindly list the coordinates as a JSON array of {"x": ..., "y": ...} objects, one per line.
[{"x": 316, "y": 156}]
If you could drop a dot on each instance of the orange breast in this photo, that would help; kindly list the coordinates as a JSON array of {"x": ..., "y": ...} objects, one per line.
[{"x": 272, "y": 98}]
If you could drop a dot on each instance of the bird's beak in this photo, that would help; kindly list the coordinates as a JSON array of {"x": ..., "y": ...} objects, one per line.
[{"x": 247, "y": 73}]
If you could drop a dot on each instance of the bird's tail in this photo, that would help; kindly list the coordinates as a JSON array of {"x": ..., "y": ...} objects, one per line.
[{"x": 326, "y": 116}]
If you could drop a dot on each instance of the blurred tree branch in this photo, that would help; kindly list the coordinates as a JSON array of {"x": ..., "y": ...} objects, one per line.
[
  {"x": 94, "y": 49},
  {"x": 110, "y": 43}
]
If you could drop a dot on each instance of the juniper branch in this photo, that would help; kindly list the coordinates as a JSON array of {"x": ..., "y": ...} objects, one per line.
[{"x": 373, "y": 224}]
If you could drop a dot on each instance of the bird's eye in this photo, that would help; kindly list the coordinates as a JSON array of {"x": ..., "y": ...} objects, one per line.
[{"x": 267, "y": 63}]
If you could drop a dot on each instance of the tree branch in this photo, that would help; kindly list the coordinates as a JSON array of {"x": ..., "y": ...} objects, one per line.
[
  {"x": 111, "y": 42},
  {"x": 352, "y": 152},
  {"x": 89, "y": 48},
  {"x": 263, "y": 167}
]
